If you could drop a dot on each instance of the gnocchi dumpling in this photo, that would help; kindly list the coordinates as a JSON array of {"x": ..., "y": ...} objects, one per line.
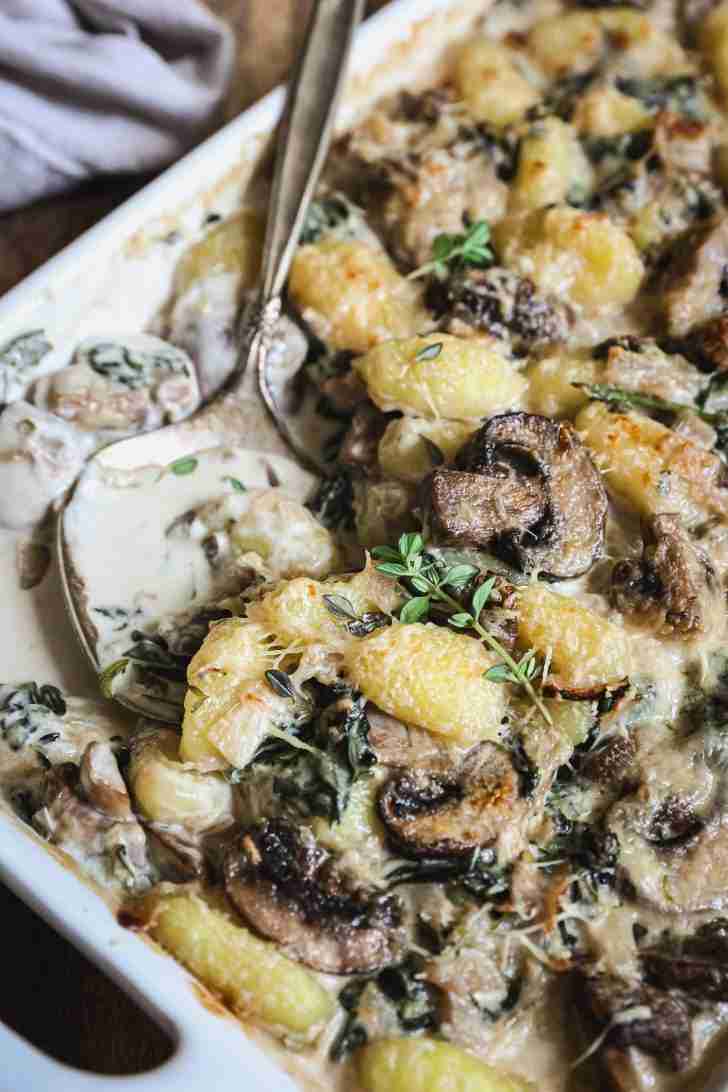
[
  {"x": 582, "y": 646},
  {"x": 490, "y": 84},
  {"x": 551, "y": 165},
  {"x": 652, "y": 468},
  {"x": 229, "y": 708},
  {"x": 429, "y": 676},
  {"x": 440, "y": 376},
  {"x": 567, "y": 43},
  {"x": 583, "y": 256},
  {"x": 352, "y": 296},
  {"x": 296, "y": 611},
  {"x": 411, "y": 446},
  {"x": 251, "y": 976},
  {"x": 167, "y": 791},
  {"x": 429, "y": 1065}
]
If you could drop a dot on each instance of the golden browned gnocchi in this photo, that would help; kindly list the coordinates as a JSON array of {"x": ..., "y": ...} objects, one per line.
[
  {"x": 582, "y": 255},
  {"x": 490, "y": 83},
  {"x": 440, "y": 376},
  {"x": 353, "y": 296}
]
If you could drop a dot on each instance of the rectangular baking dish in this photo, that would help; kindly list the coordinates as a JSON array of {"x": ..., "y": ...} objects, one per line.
[{"x": 117, "y": 277}]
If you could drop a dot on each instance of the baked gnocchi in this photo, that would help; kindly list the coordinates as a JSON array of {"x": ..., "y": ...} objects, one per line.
[{"x": 430, "y": 785}]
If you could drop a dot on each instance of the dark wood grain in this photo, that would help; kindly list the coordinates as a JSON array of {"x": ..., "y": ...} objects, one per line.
[{"x": 55, "y": 997}]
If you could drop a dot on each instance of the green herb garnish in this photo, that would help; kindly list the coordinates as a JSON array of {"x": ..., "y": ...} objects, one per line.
[
  {"x": 430, "y": 352},
  {"x": 236, "y": 484},
  {"x": 184, "y": 466},
  {"x": 470, "y": 248},
  {"x": 421, "y": 573},
  {"x": 621, "y": 398}
]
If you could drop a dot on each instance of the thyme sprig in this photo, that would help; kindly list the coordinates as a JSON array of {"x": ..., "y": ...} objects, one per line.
[
  {"x": 619, "y": 397},
  {"x": 427, "y": 582},
  {"x": 469, "y": 248}
]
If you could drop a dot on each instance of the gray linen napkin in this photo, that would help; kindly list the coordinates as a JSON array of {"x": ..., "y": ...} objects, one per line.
[{"x": 91, "y": 87}]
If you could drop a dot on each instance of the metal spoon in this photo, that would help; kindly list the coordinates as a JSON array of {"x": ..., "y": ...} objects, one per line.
[{"x": 114, "y": 535}]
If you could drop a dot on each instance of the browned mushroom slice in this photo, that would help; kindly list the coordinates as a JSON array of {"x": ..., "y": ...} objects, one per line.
[
  {"x": 102, "y": 784},
  {"x": 655, "y": 1022},
  {"x": 695, "y": 287},
  {"x": 498, "y": 302},
  {"x": 674, "y": 583},
  {"x": 613, "y": 764},
  {"x": 708, "y": 344},
  {"x": 90, "y": 821},
  {"x": 436, "y": 813},
  {"x": 539, "y": 468},
  {"x": 399, "y": 744},
  {"x": 670, "y": 856},
  {"x": 290, "y": 890},
  {"x": 361, "y": 442},
  {"x": 697, "y": 965},
  {"x": 482, "y": 509}
]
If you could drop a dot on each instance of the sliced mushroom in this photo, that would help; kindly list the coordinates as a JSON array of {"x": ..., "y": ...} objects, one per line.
[
  {"x": 116, "y": 846},
  {"x": 673, "y": 584},
  {"x": 695, "y": 287},
  {"x": 670, "y": 855},
  {"x": 102, "y": 783},
  {"x": 292, "y": 891},
  {"x": 446, "y": 813},
  {"x": 499, "y": 302},
  {"x": 655, "y": 1022},
  {"x": 613, "y": 764},
  {"x": 708, "y": 344},
  {"x": 475, "y": 509},
  {"x": 696, "y": 965},
  {"x": 360, "y": 446},
  {"x": 530, "y": 493},
  {"x": 399, "y": 744}
]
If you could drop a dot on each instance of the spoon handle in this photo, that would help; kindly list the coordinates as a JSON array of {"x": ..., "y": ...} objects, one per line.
[
  {"x": 305, "y": 133},
  {"x": 303, "y": 141}
]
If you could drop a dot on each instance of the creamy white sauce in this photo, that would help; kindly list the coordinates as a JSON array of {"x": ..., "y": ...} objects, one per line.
[{"x": 124, "y": 535}]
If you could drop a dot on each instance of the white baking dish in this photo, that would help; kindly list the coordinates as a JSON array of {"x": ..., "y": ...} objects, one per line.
[{"x": 117, "y": 278}]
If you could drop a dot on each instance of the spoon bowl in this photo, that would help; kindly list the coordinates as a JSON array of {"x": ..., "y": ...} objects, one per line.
[{"x": 124, "y": 566}]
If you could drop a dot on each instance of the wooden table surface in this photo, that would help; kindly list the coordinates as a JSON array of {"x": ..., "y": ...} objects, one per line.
[{"x": 59, "y": 1000}]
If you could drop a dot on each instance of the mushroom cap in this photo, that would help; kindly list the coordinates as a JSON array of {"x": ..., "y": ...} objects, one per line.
[
  {"x": 436, "y": 812},
  {"x": 525, "y": 488},
  {"x": 289, "y": 889}
]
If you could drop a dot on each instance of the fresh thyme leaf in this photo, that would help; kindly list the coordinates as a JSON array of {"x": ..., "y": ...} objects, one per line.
[
  {"x": 107, "y": 676},
  {"x": 499, "y": 673},
  {"x": 386, "y": 553},
  {"x": 482, "y": 595},
  {"x": 621, "y": 398},
  {"x": 411, "y": 544},
  {"x": 390, "y": 568},
  {"x": 236, "y": 484},
  {"x": 425, "y": 573},
  {"x": 430, "y": 352},
  {"x": 340, "y": 606},
  {"x": 184, "y": 466},
  {"x": 470, "y": 248},
  {"x": 281, "y": 684},
  {"x": 461, "y": 620},
  {"x": 459, "y": 575},
  {"x": 415, "y": 609}
]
